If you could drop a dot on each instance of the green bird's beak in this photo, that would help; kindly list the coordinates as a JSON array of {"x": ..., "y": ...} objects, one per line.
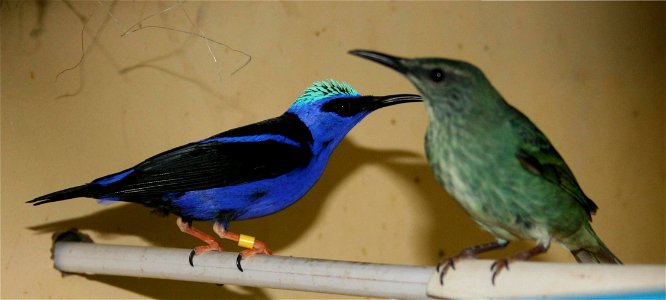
[{"x": 393, "y": 62}]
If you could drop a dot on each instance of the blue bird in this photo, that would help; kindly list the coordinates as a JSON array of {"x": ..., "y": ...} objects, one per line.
[{"x": 246, "y": 172}]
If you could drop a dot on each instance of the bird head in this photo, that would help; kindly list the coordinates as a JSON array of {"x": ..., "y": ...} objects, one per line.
[
  {"x": 448, "y": 86},
  {"x": 330, "y": 108}
]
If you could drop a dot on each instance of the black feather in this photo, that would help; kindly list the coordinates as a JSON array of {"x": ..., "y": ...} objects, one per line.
[
  {"x": 74, "y": 192},
  {"x": 204, "y": 165}
]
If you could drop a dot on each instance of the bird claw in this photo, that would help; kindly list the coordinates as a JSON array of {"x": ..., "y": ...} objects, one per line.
[
  {"x": 259, "y": 248},
  {"x": 238, "y": 262},
  {"x": 445, "y": 265},
  {"x": 191, "y": 257},
  {"x": 497, "y": 267},
  {"x": 203, "y": 249},
  {"x": 450, "y": 263}
]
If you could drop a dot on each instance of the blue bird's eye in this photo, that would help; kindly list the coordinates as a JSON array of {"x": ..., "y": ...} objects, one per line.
[
  {"x": 437, "y": 75},
  {"x": 344, "y": 107}
]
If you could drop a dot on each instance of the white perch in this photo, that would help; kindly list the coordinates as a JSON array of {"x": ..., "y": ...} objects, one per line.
[
  {"x": 280, "y": 272},
  {"x": 471, "y": 279}
]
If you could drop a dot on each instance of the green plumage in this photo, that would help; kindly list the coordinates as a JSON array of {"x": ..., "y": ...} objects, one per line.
[{"x": 497, "y": 164}]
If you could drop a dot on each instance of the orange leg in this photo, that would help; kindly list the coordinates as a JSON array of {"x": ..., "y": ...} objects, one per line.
[
  {"x": 258, "y": 247},
  {"x": 212, "y": 244}
]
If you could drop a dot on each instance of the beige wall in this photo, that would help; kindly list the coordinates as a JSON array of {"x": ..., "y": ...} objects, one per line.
[{"x": 591, "y": 75}]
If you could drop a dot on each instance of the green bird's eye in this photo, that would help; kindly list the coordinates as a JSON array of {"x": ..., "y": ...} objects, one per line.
[{"x": 437, "y": 75}]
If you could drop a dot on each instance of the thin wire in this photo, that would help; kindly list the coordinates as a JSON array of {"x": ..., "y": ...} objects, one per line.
[
  {"x": 108, "y": 12},
  {"x": 206, "y": 38},
  {"x": 83, "y": 29},
  {"x": 201, "y": 32},
  {"x": 129, "y": 30},
  {"x": 138, "y": 26}
]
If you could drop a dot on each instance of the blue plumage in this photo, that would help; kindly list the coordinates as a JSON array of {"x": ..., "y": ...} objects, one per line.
[{"x": 247, "y": 172}]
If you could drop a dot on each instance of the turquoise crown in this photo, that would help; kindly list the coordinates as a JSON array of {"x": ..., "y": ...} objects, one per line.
[{"x": 325, "y": 89}]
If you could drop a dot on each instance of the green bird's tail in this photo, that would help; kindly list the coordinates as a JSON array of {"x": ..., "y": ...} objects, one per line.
[
  {"x": 601, "y": 255},
  {"x": 590, "y": 248}
]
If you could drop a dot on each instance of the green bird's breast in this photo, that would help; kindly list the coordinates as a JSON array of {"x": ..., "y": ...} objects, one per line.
[{"x": 478, "y": 167}]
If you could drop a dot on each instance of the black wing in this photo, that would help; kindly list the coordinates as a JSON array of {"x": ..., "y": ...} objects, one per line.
[{"x": 211, "y": 163}]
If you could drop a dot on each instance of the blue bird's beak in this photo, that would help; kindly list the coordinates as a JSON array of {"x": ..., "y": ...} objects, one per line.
[
  {"x": 376, "y": 102},
  {"x": 372, "y": 103},
  {"x": 352, "y": 106},
  {"x": 393, "y": 62}
]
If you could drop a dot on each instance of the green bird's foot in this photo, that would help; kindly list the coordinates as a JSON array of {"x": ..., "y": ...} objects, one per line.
[
  {"x": 502, "y": 264},
  {"x": 450, "y": 263},
  {"x": 446, "y": 265},
  {"x": 497, "y": 267}
]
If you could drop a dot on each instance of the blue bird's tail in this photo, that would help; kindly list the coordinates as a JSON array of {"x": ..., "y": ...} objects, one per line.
[{"x": 85, "y": 190}]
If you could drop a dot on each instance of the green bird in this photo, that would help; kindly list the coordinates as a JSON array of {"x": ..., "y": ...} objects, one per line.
[{"x": 498, "y": 165}]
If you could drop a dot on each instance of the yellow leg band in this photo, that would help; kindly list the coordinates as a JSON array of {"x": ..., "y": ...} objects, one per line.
[{"x": 246, "y": 241}]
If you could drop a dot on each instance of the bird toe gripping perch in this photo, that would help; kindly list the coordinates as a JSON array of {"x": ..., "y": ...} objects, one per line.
[{"x": 244, "y": 241}]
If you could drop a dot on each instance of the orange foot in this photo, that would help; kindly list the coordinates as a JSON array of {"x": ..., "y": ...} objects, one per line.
[
  {"x": 212, "y": 244},
  {"x": 258, "y": 247}
]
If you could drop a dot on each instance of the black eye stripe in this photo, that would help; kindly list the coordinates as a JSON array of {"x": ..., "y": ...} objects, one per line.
[
  {"x": 345, "y": 107},
  {"x": 437, "y": 75}
]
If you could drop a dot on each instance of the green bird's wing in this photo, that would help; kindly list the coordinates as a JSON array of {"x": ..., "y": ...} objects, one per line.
[{"x": 538, "y": 156}]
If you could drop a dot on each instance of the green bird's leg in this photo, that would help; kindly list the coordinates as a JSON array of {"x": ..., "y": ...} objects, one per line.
[
  {"x": 470, "y": 252},
  {"x": 501, "y": 264}
]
